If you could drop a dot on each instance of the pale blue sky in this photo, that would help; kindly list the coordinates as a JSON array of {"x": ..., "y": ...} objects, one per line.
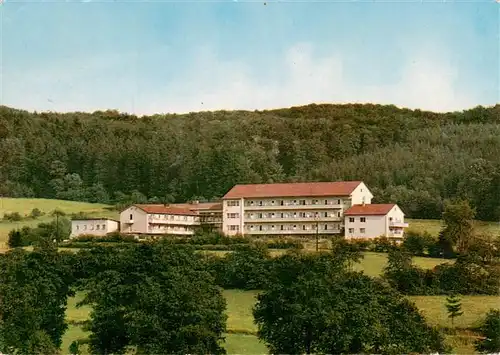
[{"x": 147, "y": 57}]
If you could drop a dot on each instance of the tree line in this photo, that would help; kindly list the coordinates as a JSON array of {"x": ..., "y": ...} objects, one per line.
[{"x": 415, "y": 158}]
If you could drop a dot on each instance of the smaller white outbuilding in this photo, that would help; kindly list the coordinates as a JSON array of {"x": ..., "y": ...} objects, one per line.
[
  {"x": 93, "y": 226},
  {"x": 375, "y": 220}
]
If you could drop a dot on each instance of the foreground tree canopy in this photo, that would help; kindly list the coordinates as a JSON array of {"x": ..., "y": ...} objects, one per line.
[
  {"x": 34, "y": 287},
  {"x": 323, "y": 309},
  {"x": 416, "y": 159},
  {"x": 157, "y": 298}
]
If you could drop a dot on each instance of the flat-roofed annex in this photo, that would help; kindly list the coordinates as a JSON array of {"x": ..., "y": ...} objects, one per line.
[{"x": 298, "y": 189}]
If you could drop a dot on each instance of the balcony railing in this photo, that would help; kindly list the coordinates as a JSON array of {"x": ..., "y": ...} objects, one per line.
[
  {"x": 170, "y": 231},
  {"x": 291, "y": 231},
  {"x": 173, "y": 222},
  {"x": 257, "y": 207},
  {"x": 398, "y": 224},
  {"x": 279, "y": 219}
]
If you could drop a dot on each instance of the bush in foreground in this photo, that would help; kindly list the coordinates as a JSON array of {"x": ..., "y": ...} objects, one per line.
[{"x": 490, "y": 329}]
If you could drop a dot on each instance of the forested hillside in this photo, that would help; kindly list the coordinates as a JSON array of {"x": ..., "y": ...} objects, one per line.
[{"x": 417, "y": 159}]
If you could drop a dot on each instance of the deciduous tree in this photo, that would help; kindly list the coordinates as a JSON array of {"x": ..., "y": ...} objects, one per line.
[
  {"x": 34, "y": 287},
  {"x": 458, "y": 229},
  {"x": 334, "y": 311},
  {"x": 158, "y": 298}
]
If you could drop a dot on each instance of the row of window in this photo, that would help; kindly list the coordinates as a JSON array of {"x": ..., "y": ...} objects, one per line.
[
  {"x": 361, "y": 219},
  {"x": 234, "y": 203},
  {"x": 293, "y": 202},
  {"x": 171, "y": 228},
  {"x": 294, "y": 227},
  {"x": 293, "y": 215},
  {"x": 170, "y": 217},
  {"x": 361, "y": 230},
  {"x": 91, "y": 227}
]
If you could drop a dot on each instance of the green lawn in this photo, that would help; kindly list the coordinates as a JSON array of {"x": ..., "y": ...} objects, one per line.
[
  {"x": 474, "y": 308},
  {"x": 25, "y": 205},
  {"x": 433, "y": 226},
  {"x": 241, "y": 338},
  {"x": 373, "y": 263}
]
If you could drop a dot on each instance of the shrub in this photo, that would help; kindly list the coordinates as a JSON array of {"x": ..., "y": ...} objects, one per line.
[
  {"x": 212, "y": 238},
  {"x": 57, "y": 212},
  {"x": 383, "y": 245},
  {"x": 35, "y": 213},
  {"x": 12, "y": 217},
  {"x": 362, "y": 244},
  {"x": 417, "y": 243},
  {"x": 490, "y": 329},
  {"x": 114, "y": 237},
  {"x": 15, "y": 239},
  {"x": 284, "y": 244}
]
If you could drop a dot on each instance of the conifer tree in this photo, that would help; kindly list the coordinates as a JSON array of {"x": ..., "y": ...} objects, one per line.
[{"x": 454, "y": 307}]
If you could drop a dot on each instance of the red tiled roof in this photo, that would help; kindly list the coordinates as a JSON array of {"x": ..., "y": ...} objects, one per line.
[
  {"x": 202, "y": 206},
  {"x": 162, "y": 209},
  {"x": 369, "y": 210},
  {"x": 338, "y": 188}
]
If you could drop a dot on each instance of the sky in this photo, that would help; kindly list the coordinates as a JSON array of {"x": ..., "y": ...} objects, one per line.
[{"x": 147, "y": 57}]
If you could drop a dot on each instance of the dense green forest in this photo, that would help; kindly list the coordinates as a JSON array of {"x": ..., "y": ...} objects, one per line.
[{"x": 414, "y": 158}]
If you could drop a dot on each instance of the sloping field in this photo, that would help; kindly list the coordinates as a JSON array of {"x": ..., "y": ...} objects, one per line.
[
  {"x": 24, "y": 206},
  {"x": 433, "y": 226}
]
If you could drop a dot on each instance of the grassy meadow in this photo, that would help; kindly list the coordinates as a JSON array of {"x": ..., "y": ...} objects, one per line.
[
  {"x": 241, "y": 331},
  {"x": 433, "y": 226}
]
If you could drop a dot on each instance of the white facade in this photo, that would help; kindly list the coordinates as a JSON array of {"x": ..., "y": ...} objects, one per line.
[
  {"x": 361, "y": 195},
  {"x": 97, "y": 227},
  {"x": 157, "y": 220},
  {"x": 133, "y": 220},
  {"x": 233, "y": 216},
  {"x": 300, "y": 215},
  {"x": 296, "y": 215},
  {"x": 390, "y": 225}
]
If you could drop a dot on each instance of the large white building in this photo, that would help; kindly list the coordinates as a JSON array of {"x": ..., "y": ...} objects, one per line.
[
  {"x": 300, "y": 209},
  {"x": 294, "y": 208}
]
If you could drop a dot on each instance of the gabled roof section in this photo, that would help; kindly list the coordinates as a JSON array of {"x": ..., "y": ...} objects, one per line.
[
  {"x": 299, "y": 189},
  {"x": 162, "y": 209},
  {"x": 200, "y": 206},
  {"x": 369, "y": 210}
]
